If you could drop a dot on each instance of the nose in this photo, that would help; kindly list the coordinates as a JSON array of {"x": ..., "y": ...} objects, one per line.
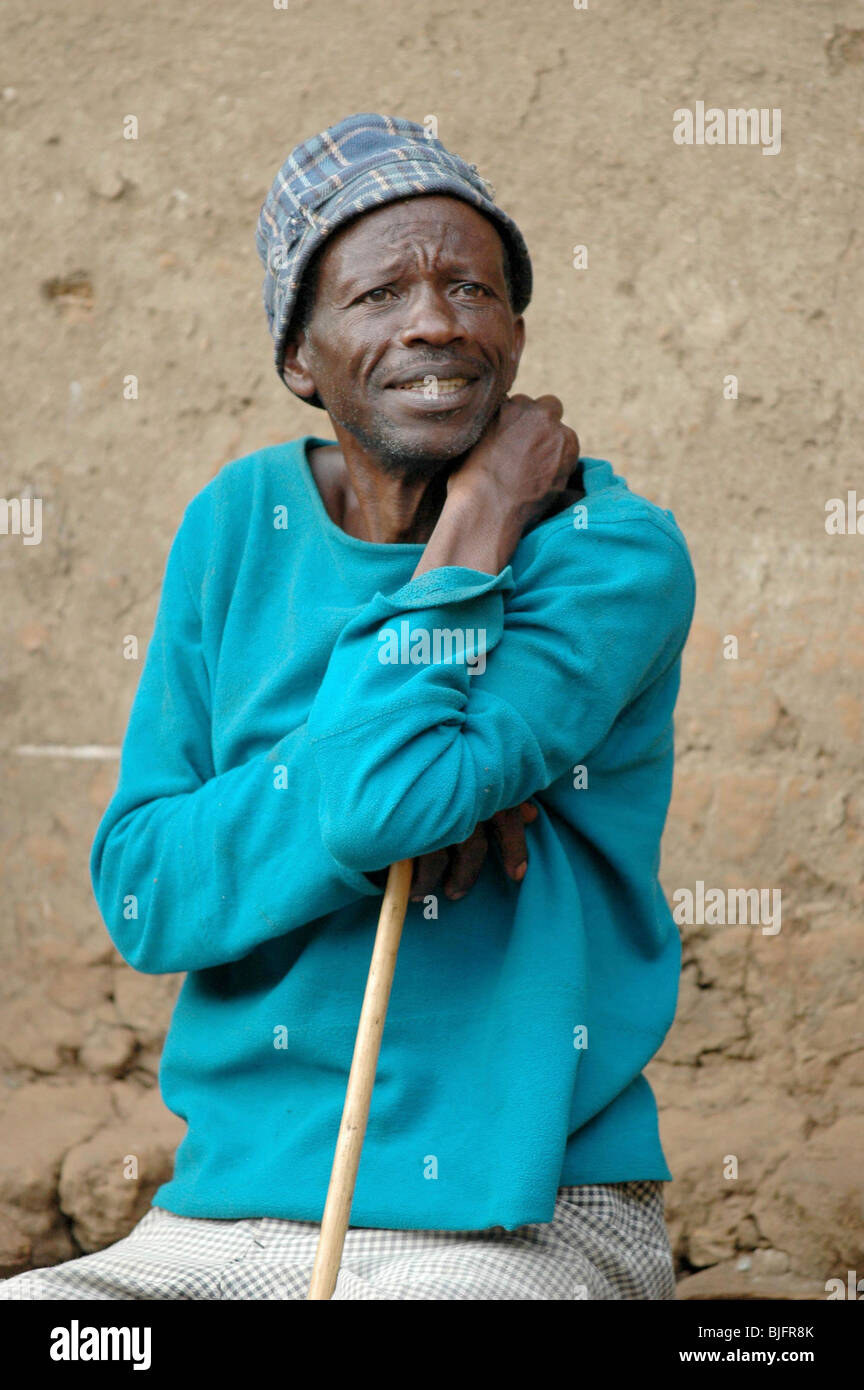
[{"x": 430, "y": 317}]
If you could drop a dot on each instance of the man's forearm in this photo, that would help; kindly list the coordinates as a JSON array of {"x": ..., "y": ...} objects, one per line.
[{"x": 477, "y": 530}]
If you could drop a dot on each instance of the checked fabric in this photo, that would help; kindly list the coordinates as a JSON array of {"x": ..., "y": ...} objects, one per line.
[{"x": 607, "y": 1241}]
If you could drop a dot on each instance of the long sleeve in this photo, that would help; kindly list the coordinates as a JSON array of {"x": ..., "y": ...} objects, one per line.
[
  {"x": 413, "y": 754},
  {"x": 191, "y": 869}
]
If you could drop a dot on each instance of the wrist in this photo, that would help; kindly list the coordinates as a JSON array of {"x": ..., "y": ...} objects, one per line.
[
  {"x": 485, "y": 501},
  {"x": 477, "y": 529}
]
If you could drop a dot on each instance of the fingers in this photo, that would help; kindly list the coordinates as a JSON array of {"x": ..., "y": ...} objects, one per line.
[
  {"x": 551, "y": 403},
  {"x": 572, "y": 441},
  {"x": 569, "y": 457},
  {"x": 428, "y": 868},
  {"x": 509, "y": 835},
  {"x": 466, "y": 861},
  {"x": 460, "y": 864}
]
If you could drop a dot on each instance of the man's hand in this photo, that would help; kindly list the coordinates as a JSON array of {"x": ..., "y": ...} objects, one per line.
[
  {"x": 461, "y": 864},
  {"x": 525, "y": 457}
]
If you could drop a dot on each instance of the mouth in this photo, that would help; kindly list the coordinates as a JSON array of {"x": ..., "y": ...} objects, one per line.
[{"x": 431, "y": 393}]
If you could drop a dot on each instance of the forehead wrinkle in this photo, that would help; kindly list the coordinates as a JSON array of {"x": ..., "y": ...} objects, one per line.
[{"x": 432, "y": 236}]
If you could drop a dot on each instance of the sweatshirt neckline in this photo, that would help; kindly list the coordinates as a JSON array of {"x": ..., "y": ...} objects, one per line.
[{"x": 329, "y": 525}]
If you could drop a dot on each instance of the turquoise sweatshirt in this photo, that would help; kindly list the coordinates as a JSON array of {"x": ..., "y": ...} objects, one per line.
[{"x": 300, "y": 723}]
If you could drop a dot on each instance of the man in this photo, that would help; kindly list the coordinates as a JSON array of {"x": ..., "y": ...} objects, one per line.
[{"x": 438, "y": 636}]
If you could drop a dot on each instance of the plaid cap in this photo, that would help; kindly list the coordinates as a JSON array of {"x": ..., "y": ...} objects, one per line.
[{"x": 356, "y": 166}]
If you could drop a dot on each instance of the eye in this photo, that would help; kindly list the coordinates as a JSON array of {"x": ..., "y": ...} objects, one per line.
[
  {"x": 473, "y": 285},
  {"x": 379, "y": 289}
]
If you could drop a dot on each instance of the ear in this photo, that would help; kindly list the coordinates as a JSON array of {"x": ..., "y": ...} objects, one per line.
[
  {"x": 518, "y": 345},
  {"x": 295, "y": 367}
]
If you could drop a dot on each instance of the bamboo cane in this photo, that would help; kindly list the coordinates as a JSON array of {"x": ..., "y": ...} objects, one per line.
[{"x": 361, "y": 1079}]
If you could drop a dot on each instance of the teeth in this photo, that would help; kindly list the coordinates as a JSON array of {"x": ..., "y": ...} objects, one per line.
[{"x": 450, "y": 383}]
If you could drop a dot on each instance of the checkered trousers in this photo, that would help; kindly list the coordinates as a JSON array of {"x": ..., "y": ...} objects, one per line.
[{"x": 606, "y": 1241}]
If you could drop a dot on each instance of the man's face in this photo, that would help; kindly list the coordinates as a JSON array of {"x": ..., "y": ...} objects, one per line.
[{"x": 412, "y": 290}]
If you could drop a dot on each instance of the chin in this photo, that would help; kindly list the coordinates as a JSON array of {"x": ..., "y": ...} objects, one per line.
[
  {"x": 427, "y": 444},
  {"x": 420, "y": 457}
]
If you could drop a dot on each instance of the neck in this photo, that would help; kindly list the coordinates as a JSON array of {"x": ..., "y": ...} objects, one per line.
[{"x": 374, "y": 504}]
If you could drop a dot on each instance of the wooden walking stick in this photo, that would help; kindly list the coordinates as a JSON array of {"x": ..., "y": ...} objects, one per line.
[{"x": 361, "y": 1079}]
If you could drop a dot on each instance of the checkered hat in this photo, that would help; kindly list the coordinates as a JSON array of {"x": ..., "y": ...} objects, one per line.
[{"x": 353, "y": 167}]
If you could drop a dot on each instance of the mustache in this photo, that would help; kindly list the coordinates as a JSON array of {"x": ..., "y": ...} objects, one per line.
[{"x": 436, "y": 366}]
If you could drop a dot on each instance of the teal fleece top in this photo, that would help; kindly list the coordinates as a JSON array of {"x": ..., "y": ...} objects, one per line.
[{"x": 274, "y": 760}]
